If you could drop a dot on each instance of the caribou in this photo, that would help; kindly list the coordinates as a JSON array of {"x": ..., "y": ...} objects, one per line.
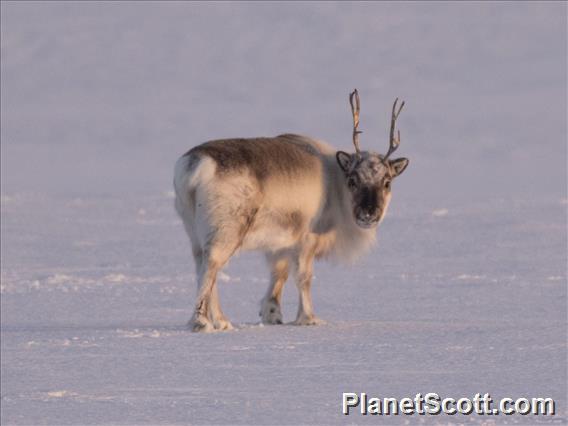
[{"x": 292, "y": 197}]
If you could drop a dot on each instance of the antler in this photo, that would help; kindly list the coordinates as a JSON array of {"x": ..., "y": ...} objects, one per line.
[
  {"x": 355, "y": 111},
  {"x": 394, "y": 143}
]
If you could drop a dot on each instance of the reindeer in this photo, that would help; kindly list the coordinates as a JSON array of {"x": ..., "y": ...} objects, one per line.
[{"x": 294, "y": 198}]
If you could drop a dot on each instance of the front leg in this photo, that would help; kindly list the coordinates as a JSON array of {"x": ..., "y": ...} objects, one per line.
[
  {"x": 306, "y": 314},
  {"x": 270, "y": 311},
  {"x": 304, "y": 271},
  {"x": 216, "y": 315}
]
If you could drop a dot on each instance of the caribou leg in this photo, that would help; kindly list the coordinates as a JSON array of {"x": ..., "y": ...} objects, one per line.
[
  {"x": 208, "y": 315},
  {"x": 304, "y": 271},
  {"x": 270, "y": 306}
]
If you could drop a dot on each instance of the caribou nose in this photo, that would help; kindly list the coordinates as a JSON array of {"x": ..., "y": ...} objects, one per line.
[{"x": 363, "y": 214}]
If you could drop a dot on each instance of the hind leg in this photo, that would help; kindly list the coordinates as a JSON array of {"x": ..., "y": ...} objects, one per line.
[
  {"x": 222, "y": 243},
  {"x": 208, "y": 315},
  {"x": 217, "y": 223},
  {"x": 215, "y": 314},
  {"x": 205, "y": 277},
  {"x": 270, "y": 310}
]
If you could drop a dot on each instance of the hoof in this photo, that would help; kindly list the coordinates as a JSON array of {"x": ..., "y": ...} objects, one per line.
[
  {"x": 200, "y": 325},
  {"x": 271, "y": 313},
  {"x": 311, "y": 320},
  {"x": 223, "y": 324}
]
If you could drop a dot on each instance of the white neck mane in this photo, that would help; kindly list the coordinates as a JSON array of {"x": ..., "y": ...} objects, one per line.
[
  {"x": 347, "y": 241},
  {"x": 352, "y": 241}
]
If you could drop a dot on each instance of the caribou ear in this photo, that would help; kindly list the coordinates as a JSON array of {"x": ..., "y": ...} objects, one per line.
[
  {"x": 343, "y": 159},
  {"x": 398, "y": 165}
]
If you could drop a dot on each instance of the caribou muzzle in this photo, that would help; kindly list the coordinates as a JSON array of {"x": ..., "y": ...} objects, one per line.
[{"x": 369, "y": 210}]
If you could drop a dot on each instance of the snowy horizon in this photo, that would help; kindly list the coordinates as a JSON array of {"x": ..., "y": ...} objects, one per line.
[{"x": 83, "y": 84}]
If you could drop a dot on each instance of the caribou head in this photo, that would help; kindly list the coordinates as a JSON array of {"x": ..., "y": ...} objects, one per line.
[{"x": 369, "y": 175}]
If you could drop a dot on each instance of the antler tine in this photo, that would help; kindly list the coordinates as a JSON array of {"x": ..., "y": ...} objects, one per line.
[
  {"x": 394, "y": 142},
  {"x": 355, "y": 109}
]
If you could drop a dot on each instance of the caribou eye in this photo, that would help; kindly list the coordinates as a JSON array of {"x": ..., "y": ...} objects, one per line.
[
  {"x": 388, "y": 184},
  {"x": 351, "y": 182}
]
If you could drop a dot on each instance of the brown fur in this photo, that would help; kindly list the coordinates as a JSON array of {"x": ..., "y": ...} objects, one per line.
[{"x": 283, "y": 155}]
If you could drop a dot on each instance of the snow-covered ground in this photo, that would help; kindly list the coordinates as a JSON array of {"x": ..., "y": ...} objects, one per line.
[
  {"x": 94, "y": 305},
  {"x": 465, "y": 292}
]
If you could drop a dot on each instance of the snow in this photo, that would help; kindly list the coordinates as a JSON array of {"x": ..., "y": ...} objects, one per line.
[
  {"x": 96, "y": 333},
  {"x": 465, "y": 292},
  {"x": 440, "y": 212}
]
